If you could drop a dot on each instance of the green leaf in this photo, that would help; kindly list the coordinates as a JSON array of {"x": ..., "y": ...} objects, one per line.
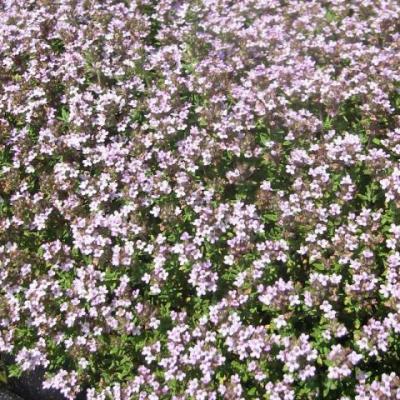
[
  {"x": 269, "y": 217},
  {"x": 14, "y": 371},
  {"x": 64, "y": 117},
  {"x": 330, "y": 385}
]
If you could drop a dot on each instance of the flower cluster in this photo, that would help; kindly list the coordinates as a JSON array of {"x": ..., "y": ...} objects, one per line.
[{"x": 200, "y": 199}]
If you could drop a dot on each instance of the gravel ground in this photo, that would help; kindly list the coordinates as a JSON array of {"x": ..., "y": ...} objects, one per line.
[{"x": 7, "y": 395}]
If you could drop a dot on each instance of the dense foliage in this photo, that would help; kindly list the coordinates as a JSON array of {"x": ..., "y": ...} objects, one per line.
[{"x": 200, "y": 198}]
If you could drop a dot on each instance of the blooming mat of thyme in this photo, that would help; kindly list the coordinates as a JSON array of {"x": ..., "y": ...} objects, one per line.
[{"x": 200, "y": 198}]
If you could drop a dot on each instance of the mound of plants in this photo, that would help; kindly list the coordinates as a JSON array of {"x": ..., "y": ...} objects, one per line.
[{"x": 199, "y": 199}]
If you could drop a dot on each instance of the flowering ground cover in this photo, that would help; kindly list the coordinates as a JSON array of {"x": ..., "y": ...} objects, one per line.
[{"x": 199, "y": 199}]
